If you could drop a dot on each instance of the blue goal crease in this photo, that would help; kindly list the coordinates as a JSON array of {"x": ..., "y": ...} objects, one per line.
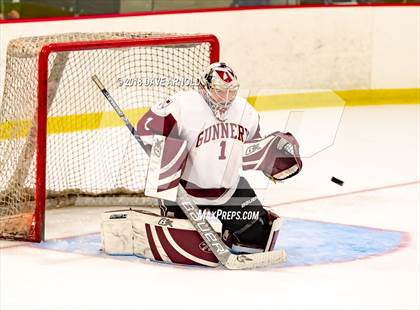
[{"x": 306, "y": 243}]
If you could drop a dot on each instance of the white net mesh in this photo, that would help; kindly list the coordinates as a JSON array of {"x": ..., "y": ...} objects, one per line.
[{"x": 90, "y": 153}]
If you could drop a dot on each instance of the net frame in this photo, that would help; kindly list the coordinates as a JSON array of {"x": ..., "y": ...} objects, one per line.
[{"x": 38, "y": 220}]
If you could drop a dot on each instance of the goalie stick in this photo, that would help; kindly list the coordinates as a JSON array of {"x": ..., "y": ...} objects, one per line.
[{"x": 212, "y": 239}]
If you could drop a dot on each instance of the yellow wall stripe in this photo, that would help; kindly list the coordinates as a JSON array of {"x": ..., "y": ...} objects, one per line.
[
  {"x": 336, "y": 98},
  {"x": 71, "y": 123},
  {"x": 380, "y": 96},
  {"x": 91, "y": 121}
]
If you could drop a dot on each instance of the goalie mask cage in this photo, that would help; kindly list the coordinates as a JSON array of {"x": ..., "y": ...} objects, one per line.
[{"x": 60, "y": 141}]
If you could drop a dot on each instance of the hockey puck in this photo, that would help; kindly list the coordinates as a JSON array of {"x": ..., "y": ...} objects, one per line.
[{"x": 337, "y": 181}]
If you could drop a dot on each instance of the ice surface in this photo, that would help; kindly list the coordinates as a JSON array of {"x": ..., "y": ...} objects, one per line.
[{"x": 375, "y": 152}]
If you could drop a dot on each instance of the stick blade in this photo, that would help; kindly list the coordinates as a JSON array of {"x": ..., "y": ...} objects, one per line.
[{"x": 250, "y": 261}]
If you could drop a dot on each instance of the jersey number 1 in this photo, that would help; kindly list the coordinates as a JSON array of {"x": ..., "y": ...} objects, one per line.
[{"x": 222, "y": 150}]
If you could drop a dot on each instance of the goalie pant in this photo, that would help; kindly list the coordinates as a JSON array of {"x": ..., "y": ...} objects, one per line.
[{"x": 246, "y": 224}]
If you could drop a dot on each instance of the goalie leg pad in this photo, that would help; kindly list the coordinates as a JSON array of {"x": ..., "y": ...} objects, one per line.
[
  {"x": 261, "y": 236},
  {"x": 276, "y": 223},
  {"x": 117, "y": 233},
  {"x": 155, "y": 237}
]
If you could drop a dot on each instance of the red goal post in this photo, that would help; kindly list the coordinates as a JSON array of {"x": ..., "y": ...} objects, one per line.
[{"x": 59, "y": 140}]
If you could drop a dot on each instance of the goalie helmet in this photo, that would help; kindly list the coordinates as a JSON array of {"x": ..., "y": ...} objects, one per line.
[{"x": 219, "y": 87}]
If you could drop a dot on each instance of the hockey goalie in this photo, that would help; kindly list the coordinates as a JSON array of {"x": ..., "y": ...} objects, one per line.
[{"x": 201, "y": 140}]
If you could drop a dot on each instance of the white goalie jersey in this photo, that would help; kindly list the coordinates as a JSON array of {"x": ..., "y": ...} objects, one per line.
[{"x": 211, "y": 171}]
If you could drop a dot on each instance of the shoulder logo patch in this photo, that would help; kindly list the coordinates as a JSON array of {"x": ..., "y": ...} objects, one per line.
[
  {"x": 165, "y": 103},
  {"x": 146, "y": 127}
]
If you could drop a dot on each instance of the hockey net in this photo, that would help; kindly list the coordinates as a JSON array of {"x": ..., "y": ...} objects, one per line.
[{"x": 60, "y": 141}]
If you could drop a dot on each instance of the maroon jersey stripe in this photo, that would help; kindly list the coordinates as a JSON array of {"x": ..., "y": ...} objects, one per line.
[{"x": 196, "y": 191}]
